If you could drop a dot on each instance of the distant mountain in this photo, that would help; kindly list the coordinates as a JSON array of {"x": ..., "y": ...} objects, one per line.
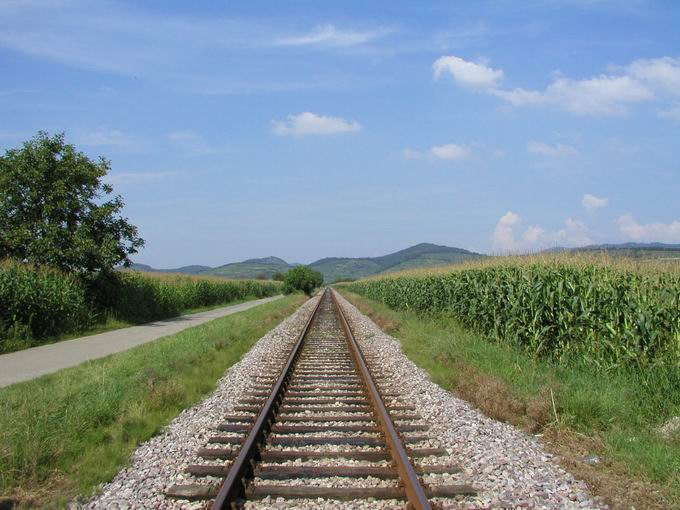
[
  {"x": 420, "y": 255},
  {"x": 184, "y": 269},
  {"x": 251, "y": 268},
  {"x": 334, "y": 268},
  {"x": 629, "y": 250},
  {"x": 631, "y": 246}
]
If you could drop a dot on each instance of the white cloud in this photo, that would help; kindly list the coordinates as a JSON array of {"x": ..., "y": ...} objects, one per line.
[
  {"x": 411, "y": 154},
  {"x": 503, "y": 234},
  {"x": 661, "y": 232},
  {"x": 308, "y": 123},
  {"x": 643, "y": 80},
  {"x": 520, "y": 96},
  {"x": 601, "y": 95},
  {"x": 660, "y": 73},
  {"x": 576, "y": 233},
  {"x": 328, "y": 35},
  {"x": 533, "y": 234},
  {"x": 591, "y": 202},
  {"x": 551, "y": 151},
  {"x": 506, "y": 237},
  {"x": 468, "y": 74},
  {"x": 671, "y": 113},
  {"x": 139, "y": 177},
  {"x": 450, "y": 151}
]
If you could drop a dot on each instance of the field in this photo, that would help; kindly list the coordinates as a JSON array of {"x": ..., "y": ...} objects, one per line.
[
  {"x": 581, "y": 349},
  {"x": 85, "y": 421},
  {"x": 570, "y": 308},
  {"x": 38, "y": 305}
]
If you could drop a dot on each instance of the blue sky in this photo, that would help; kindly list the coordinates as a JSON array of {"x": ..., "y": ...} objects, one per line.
[{"x": 309, "y": 129}]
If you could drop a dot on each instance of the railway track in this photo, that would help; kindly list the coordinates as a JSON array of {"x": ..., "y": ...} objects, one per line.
[{"x": 320, "y": 422}]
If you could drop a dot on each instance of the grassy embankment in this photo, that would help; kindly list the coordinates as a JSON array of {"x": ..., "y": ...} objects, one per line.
[
  {"x": 44, "y": 305},
  {"x": 582, "y": 350},
  {"x": 65, "y": 433}
]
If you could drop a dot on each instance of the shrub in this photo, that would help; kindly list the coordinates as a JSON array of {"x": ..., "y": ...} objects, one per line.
[{"x": 302, "y": 278}]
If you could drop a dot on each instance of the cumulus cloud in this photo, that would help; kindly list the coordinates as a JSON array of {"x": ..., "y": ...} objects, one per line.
[
  {"x": 592, "y": 202},
  {"x": 551, "y": 151},
  {"x": 504, "y": 233},
  {"x": 468, "y": 74},
  {"x": 612, "y": 94},
  {"x": 533, "y": 234},
  {"x": 450, "y": 151},
  {"x": 520, "y": 96},
  {"x": 660, "y": 73},
  {"x": 575, "y": 233},
  {"x": 661, "y": 232},
  {"x": 601, "y": 95},
  {"x": 507, "y": 237},
  {"x": 307, "y": 123}
]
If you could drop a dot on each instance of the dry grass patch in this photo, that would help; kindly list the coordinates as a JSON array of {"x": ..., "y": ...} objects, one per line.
[{"x": 614, "y": 480}]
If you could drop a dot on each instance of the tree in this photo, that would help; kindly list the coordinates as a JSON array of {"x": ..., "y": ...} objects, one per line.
[
  {"x": 278, "y": 277},
  {"x": 56, "y": 210},
  {"x": 302, "y": 278}
]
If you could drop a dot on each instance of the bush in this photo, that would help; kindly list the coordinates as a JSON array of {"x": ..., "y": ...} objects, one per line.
[{"x": 302, "y": 278}]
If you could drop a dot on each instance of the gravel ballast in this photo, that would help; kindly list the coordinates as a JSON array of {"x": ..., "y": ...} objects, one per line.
[
  {"x": 509, "y": 468},
  {"x": 160, "y": 462}
]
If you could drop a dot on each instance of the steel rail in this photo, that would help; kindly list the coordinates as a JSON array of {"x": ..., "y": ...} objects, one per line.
[
  {"x": 242, "y": 468},
  {"x": 412, "y": 485}
]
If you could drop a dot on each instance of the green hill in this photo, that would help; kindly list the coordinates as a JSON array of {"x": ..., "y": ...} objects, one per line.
[
  {"x": 420, "y": 255},
  {"x": 184, "y": 269},
  {"x": 251, "y": 268},
  {"x": 334, "y": 268}
]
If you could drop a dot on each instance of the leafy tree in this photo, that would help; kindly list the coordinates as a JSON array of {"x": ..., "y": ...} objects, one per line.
[
  {"x": 302, "y": 278},
  {"x": 56, "y": 210},
  {"x": 278, "y": 277}
]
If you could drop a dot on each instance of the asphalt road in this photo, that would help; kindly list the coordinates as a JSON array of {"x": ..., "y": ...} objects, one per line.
[{"x": 45, "y": 359}]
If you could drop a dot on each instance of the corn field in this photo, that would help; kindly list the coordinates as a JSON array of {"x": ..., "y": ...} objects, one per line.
[
  {"x": 611, "y": 315},
  {"x": 38, "y": 303}
]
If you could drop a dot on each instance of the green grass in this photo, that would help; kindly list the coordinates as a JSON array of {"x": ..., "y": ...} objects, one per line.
[
  {"x": 111, "y": 324},
  {"x": 65, "y": 433},
  {"x": 615, "y": 409}
]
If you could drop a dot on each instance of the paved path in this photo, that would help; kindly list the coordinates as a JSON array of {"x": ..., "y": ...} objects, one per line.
[{"x": 30, "y": 363}]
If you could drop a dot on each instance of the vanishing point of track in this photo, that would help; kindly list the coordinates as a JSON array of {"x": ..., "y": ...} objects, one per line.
[{"x": 320, "y": 403}]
